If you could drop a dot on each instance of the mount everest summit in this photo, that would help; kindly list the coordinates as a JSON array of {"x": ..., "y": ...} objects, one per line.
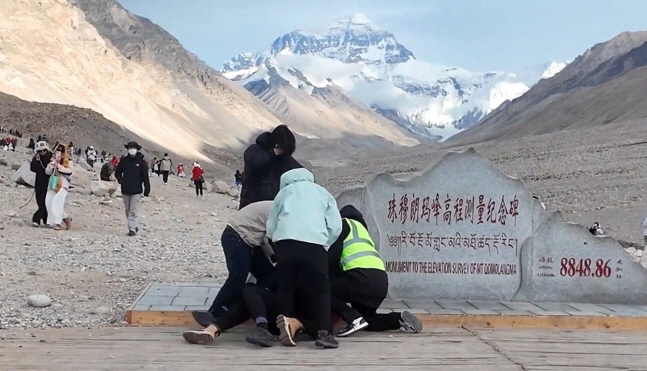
[{"x": 363, "y": 62}]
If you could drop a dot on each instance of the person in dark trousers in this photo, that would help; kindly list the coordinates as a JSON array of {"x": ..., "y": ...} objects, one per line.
[
  {"x": 165, "y": 167},
  {"x": 197, "y": 175},
  {"x": 238, "y": 178},
  {"x": 132, "y": 174},
  {"x": 242, "y": 242},
  {"x": 258, "y": 302},
  {"x": 303, "y": 223},
  {"x": 265, "y": 162},
  {"x": 38, "y": 165},
  {"x": 358, "y": 277},
  {"x": 32, "y": 144}
]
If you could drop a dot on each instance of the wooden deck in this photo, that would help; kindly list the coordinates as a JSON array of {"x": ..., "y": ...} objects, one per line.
[{"x": 445, "y": 349}]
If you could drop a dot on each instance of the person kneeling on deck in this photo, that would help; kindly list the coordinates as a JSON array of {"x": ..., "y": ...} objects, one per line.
[
  {"x": 258, "y": 302},
  {"x": 358, "y": 277},
  {"x": 240, "y": 242}
]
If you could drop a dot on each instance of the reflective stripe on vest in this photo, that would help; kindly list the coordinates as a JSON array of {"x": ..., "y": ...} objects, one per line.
[{"x": 359, "y": 250}]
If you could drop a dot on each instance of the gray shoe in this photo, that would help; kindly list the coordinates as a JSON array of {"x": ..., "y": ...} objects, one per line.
[
  {"x": 409, "y": 323},
  {"x": 260, "y": 337}
]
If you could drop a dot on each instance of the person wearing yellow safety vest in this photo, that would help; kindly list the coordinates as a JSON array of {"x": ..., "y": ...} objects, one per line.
[{"x": 358, "y": 278}]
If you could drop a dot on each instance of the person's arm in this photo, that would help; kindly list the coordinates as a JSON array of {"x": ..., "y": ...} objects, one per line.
[
  {"x": 67, "y": 170},
  {"x": 335, "y": 251},
  {"x": 333, "y": 221},
  {"x": 257, "y": 157},
  {"x": 147, "y": 183},
  {"x": 119, "y": 171},
  {"x": 273, "y": 218},
  {"x": 34, "y": 165},
  {"x": 50, "y": 167}
]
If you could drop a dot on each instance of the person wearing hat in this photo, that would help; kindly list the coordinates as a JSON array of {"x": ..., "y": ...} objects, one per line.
[
  {"x": 132, "y": 174},
  {"x": 38, "y": 165}
]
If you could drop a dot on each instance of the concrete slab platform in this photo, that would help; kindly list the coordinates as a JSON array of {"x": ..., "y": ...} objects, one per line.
[{"x": 171, "y": 305}]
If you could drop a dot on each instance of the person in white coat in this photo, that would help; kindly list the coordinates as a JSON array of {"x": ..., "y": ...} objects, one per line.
[{"x": 60, "y": 171}]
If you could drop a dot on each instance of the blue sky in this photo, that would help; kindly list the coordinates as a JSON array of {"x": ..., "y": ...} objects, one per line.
[{"x": 481, "y": 35}]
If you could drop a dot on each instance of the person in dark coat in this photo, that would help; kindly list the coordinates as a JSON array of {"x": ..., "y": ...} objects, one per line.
[
  {"x": 38, "y": 164},
  {"x": 106, "y": 170},
  {"x": 32, "y": 144},
  {"x": 132, "y": 174},
  {"x": 265, "y": 162}
]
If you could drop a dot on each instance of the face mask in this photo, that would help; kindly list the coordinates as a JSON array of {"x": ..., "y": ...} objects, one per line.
[
  {"x": 132, "y": 151},
  {"x": 58, "y": 156}
]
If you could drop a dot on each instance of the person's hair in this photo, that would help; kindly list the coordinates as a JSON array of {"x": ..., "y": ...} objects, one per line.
[
  {"x": 283, "y": 138},
  {"x": 65, "y": 161},
  {"x": 166, "y": 154}
]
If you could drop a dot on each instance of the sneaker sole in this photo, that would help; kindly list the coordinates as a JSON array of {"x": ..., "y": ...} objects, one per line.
[
  {"x": 197, "y": 337},
  {"x": 355, "y": 329},
  {"x": 412, "y": 320},
  {"x": 255, "y": 341},
  {"x": 326, "y": 345},
  {"x": 284, "y": 332}
]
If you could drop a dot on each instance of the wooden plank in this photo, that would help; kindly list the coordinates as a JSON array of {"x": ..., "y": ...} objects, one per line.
[{"x": 184, "y": 318}]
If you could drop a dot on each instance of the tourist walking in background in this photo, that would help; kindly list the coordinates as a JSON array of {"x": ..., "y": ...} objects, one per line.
[
  {"x": 70, "y": 150},
  {"x": 60, "y": 171},
  {"x": 114, "y": 161},
  {"x": 106, "y": 171},
  {"x": 32, "y": 144},
  {"x": 265, "y": 162},
  {"x": 238, "y": 179},
  {"x": 165, "y": 167},
  {"x": 303, "y": 223},
  {"x": 38, "y": 165},
  {"x": 197, "y": 175},
  {"x": 91, "y": 157},
  {"x": 180, "y": 170},
  {"x": 132, "y": 174}
]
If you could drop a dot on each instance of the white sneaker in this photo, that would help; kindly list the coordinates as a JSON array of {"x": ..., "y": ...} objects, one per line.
[{"x": 357, "y": 325}]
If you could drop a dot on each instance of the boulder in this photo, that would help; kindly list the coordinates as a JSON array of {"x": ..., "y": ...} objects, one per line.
[
  {"x": 4, "y": 162},
  {"x": 24, "y": 175},
  {"x": 16, "y": 165},
  {"x": 102, "y": 188},
  {"x": 39, "y": 301},
  {"x": 233, "y": 192},
  {"x": 220, "y": 187},
  {"x": 82, "y": 163}
]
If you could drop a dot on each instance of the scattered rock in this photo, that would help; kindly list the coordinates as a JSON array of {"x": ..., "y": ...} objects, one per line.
[
  {"x": 24, "y": 175},
  {"x": 3, "y": 162},
  {"x": 100, "y": 310},
  {"x": 102, "y": 188},
  {"x": 39, "y": 301},
  {"x": 233, "y": 192},
  {"x": 221, "y": 187},
  {"x": 16, "y": 165}
]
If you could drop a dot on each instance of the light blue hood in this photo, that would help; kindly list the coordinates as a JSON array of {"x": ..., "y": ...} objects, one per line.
[
  {"x": 296, "y": 175},
  {"x": 303, "y": 211}
]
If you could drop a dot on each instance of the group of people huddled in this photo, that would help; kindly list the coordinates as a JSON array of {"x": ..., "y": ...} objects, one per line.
[
  {"x": 11, "y": 131},
  {"x": 311, "y": 262}
]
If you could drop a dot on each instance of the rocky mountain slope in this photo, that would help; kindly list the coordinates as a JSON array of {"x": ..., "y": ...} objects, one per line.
[
  {"x": 369, "y": 64},
  {"x": 606, "y": 84},
  {"x": 94, "y": 54}
]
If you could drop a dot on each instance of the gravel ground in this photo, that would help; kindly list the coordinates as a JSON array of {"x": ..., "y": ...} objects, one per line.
[{"x": 93, "y": 272}]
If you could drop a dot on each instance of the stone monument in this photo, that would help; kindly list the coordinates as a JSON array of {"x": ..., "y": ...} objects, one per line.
[{"x": 463, "y": 230}]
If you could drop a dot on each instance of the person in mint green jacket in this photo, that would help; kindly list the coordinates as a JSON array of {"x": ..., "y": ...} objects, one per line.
[{"x": 303, "y": 223}]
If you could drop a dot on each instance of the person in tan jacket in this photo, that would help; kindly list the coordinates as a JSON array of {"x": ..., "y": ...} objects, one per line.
[{"x": 243, "y": 242}]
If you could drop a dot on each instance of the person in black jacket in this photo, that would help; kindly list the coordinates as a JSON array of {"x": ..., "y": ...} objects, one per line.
[
  {"x": 363, "y": 288},
  {"x": 132, "y": 173},
  {"x": 38, "y": 164},
  {"x": 265, "y": 162}
]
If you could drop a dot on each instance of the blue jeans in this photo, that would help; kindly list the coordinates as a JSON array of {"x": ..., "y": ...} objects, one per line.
[{"x": 242, "y": 260}]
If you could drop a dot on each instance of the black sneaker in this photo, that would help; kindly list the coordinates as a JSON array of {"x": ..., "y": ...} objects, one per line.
[
  {"x": 204, "y": 319},
  {"x": 353, "y": 327},
  {"x": 132, "y": 233},
  {"x": 409, "y": 323},
  {"x": 326, "y": 340},
  {"x": 260, "y": 337}
]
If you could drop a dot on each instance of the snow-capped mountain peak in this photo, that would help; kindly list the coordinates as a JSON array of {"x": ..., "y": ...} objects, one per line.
[
  {"x": 369, "y": 64},
  {"x": 553, "y": 69}
]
